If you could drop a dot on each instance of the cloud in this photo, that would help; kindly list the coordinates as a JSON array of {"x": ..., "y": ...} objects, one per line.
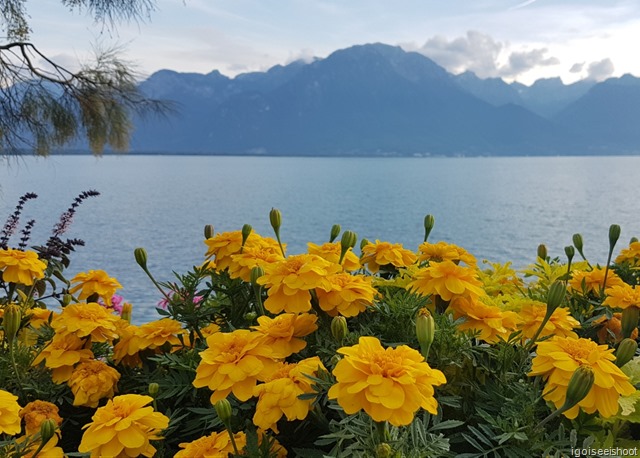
[
  {"x": 483, "y": 55},
  {"x": 599, "y": 71},
  {"x": 476, "y": 51},
  {"x": 523, "y": 61},
  {"x": 577, "y": 67}
]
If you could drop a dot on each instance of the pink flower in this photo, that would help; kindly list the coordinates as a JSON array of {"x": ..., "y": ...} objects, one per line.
[
  {"x": 164, "y": 302},
  {"x": 116, "y": 303}
]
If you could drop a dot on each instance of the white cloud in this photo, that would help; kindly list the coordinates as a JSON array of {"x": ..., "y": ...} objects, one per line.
[
  {"x": 601, "y": 70},
  {"x": 577, "y": 67},
  {"x": 482, "y": 54}
]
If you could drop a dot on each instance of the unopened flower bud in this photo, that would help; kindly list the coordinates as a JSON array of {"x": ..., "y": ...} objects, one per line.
[
  {"x": 339, "y": 328},
  {"x": 335, "y": 231},
  {"x": 250, "y": 316},
  {"x": 349, "y": 239},
  {"x": 154, "y": 389},
  {"x": 256, "y": 273},
  {"x": 429, "y": 222},
  {"x": 224, "y": 411},
  {"x": 577, "y": 242},
  {"x": 66, "y": 299},
  {"x": 629, "y": 320},
  {"x": 542, "y": 251},
  {"x": 626, "y": 351},
  {"x": 579, "y": 386},
  {"x": 275, "y": 217},
  {"x": 555, "y": 297},
  {"x": 570, "y": 252},
  {"x": 384, "y": 450},
  {"x": 141, "y": 257},
  {"x": 11, "y": 321},
  {"x": 633, "y": 240},
  {"x": 125, "y": 314},
  {"x": 425, "y": 331},
  {"x": 208, "y": 231},
  {"x": 246, "y": 231},
  {"x": 614, "y": 235},
  {"x": 47, "y": 430},
  {"x": 363, "y": 243}
]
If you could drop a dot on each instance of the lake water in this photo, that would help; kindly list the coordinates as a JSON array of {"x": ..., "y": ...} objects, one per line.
[{"x": 499, "y": 209}]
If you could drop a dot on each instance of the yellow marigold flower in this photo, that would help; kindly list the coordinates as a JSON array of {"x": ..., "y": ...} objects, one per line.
[
  {"x": 259, "y": 254},
  {"x": 592, "y": 281},
  {"x": 331, "y": 252},
  {"x": 50, "y": 449},
  {"x": 124, "y": 351},
  {"x": 123, "y": 427},
  {"x": 557, "y": 358},
  {"x": 278, "y": 396},
  {"x": 491, "y": 321},
  {"x": 388, "y": 384},
  {"x": 499, "y": 279},
  {"x": 87, "y": 319},
  {"x": 349, "y": 294},
  {"x": 630, "y": 255},
  {"x": 155, "y": 334},
  {"x": 22, "y": 267},
  {"x": 91, "y": 381},
  {"x": 39, "y": 316},
  {"x": 282, "y": 333},
  {"x": 379, "y": 254},
  {"x": 209, "y": 329},
  {"x": 233, "y": 363},
  {"x": 36, "y": 412},
  {"x": 95, "y": 282},
  {"x": 447, "y": 280},
  {"x": 611, "y": 330},
  {"x": 622, "y": 296},
  {"x": 9, "y": 414},
  {"x": 224, "y": 245},
  {"x": 290, "y": 280},
  {"x": 63, "y": 352},
  {"x": 213, "y": 445},
  {"x": 401, "y": 280},
  {"x": 532, "y": 313},
  {"x": 443, "y": 251}
]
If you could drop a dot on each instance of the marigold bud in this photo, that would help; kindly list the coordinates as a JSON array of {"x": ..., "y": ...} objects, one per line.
[
  {"x": 256, "y": 273},
  {"x": 335, "y": 231},
  {"x": 542, "y": 251},
  {"x": 224, "y": 411},
  {"x": 579, "y": 386},
  {"x": 11, "y": 321},
  {"x": 208, "y": 231},
  {"x": 629, "y": 320},
  {"x": 275, "y": 217},
  {"x": 47, "y": 429},
  {"x": 154, "y": 389},
  {"x": 125, "y": 314},
  {"x": 339, "y": 328},
  {"x": 250, "y": 316},
  {"x": 425, "y": 331},
  {"x": 141, "y": 257},
  {"x": 570, "y": 252},
  {"x": 429, "y": 222},
  {"x": 363, "y": 243},
  {"x": 633, "y": 240},
  {"x": 614, "y": 235},
  {"x": 349, "y": 239},
  {"x": 246, "y": 231},
  {"x": 577, "y": 242},
  {"x": 384, "y": 450},
  {"x": 66, "y": 299},
  {"x": 555, "y": 296},
  {"x": 626, "y": 351}
]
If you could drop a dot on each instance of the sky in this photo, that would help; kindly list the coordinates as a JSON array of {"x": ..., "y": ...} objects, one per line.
[{"x": 517, "y": 40}]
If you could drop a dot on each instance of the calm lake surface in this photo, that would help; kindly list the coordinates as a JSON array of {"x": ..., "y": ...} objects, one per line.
[{"x": 499, "y": 209}]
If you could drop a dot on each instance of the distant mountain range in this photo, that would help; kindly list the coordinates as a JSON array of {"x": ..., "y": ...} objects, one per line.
[{"x": 377, "y": 99}]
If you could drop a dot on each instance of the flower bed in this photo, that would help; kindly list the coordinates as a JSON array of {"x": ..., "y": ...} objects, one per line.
[{"x": 259, "y": 352}]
